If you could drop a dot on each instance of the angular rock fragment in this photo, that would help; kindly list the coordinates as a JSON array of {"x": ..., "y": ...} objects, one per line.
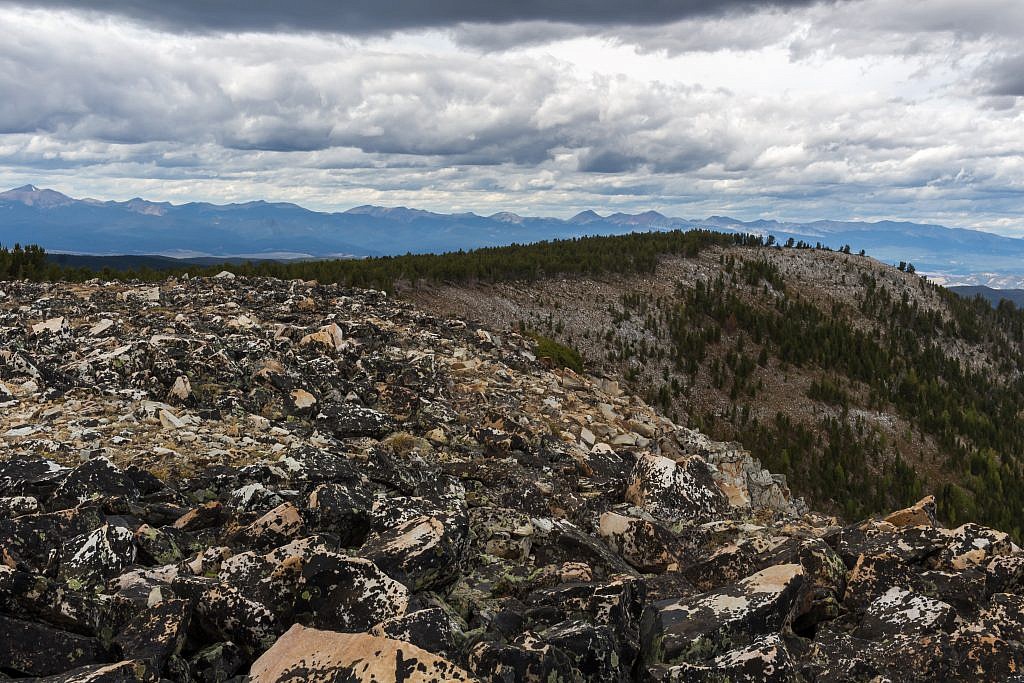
[
  {"x": 326, "y": 657},
  {"x": 645, "y": 545},
  {"x": 156, "y": 634},
  {"x": 36, "y": 650},
  {"x": 425, "y": 552},
  {"x": 676, "y": 491},
  {"x": 349, "y": 594},
  {"x": 704, "y": 627}
]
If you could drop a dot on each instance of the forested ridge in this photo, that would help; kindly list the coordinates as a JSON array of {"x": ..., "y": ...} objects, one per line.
[{"x": 882, "y": 351}]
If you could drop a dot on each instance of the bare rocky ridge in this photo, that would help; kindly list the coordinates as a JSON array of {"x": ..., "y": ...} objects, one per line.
[{"x": 206, "y": 480}]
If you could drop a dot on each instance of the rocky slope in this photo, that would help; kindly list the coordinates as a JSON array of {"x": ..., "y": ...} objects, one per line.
[
  {"x": 796, "y": 352},
  {"x": 212, "y": 479}
]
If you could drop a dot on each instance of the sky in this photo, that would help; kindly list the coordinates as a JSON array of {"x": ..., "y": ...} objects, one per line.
[{"x": 794, "y": 110}]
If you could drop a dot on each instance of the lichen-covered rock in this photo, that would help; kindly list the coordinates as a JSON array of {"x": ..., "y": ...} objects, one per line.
[
  {"x": 676, "y": 491},
  {"x": 29, "y": 476},
  {"x": 425, "y": 552},
  {"x": 317, "y": 656},
  {"x": 349, "y": 594},
  {"x": 278, "y": 526},
  {"x": 128, "y": 671},
  {"x": 645, "y": 545},
  {"x": 899, "y": 611},
  {"x": 341, "y": 510},
  {"x": 501, "y": 532},
  {"x": 157, "y": 633},
  {"x": 229, "y": 614},
  {"x": 921, "y": 513},
  {"x": 93, "y": 558},
  {"x": 93, "y": 480},
  {"x": 704, "y": 627},
  {"x": 432, "y": 629},
  {"x": 33, "y": 649},
  {"x": 766, "y": 660}
]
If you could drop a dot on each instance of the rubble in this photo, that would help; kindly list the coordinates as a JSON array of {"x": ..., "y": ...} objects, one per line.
[{"x": 211, "y": 478}]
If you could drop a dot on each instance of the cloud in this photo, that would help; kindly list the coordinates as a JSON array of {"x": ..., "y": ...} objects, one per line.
[
  {"x": 705, "y": 115},
  {"x": 1004, "y": 77},
  {"x": 365, "y": 16}
]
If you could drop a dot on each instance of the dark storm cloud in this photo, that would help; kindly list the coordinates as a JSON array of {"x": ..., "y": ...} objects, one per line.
[
  {"x": 374, "y": 16},
  {"x": 1005, "y": 77}
]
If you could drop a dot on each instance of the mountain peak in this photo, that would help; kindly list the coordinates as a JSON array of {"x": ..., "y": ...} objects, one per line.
[
  {"x": 30, "y": 195},
  {"x": 587, "y": 216}
]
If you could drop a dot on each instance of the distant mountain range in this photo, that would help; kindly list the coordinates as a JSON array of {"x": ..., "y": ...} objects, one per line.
[
  {"x": 993, "y": 296},
  {"x": 282, "y": 230}
]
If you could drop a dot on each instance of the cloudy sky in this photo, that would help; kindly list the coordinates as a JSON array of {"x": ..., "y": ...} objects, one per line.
[{"x": 852, "y": 109}]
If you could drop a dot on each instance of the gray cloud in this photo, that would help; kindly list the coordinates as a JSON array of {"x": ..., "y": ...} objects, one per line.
[
  {"x": 1004, "y": 77},
  {"x": 372, "y": 16}
]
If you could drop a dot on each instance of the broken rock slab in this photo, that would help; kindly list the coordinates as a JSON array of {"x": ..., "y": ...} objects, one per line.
[{"x": 317, "y": 656}]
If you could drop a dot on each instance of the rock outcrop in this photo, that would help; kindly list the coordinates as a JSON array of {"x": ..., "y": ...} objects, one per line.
[{"x": 211, "y": 479}]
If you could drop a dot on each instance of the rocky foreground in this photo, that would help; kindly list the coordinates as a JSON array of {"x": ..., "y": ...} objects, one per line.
[{"x": 216, "y": 479}]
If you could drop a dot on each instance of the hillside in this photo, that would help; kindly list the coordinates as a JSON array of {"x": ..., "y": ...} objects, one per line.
[
  {"x": 864, "y": 384},
  {"x": 204, "y": 478}
]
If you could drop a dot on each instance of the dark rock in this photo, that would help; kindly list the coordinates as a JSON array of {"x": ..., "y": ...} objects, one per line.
[
  {"x": 592, "y": 651},
  {"x": 430, "y": 629},
  {"x": 341, "y": 510},
  {"x": 347, "y": 419},
  {"x": 704, "y": 627},
  {"x": 349, "y": 594},
  {"x": 676, "y": 491},
  {"x": 216, "y": 663},
  {"x": 899, "y": 611},
  {"x": 157, "y": 546},
  {"x": 557, "y": 541},
  {"x": 29, "y": 477},
  {"x": 228, "y": 614},
  {"x": 646, "y": 546},
  {"x": 425, "y": 552},
  {"x": 766, "y": 660},
  {"x": 95, "y": 479},
  {"x": 205, "y": 516},
  {"x": 33, "y": 538},
  {"x": 278, "y": 526},
  {"x": 91, "y": 559},
  {"x": 527, "y": 660},
  {"x": 156, "y": 634},
  {"x": 36, "y": 650},
  {"x": 129, "y": 671}
]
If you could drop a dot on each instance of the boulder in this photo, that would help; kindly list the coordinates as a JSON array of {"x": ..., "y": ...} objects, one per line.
[
  {"x": 347, "y": 593},
  {"x": 432, "y": 629},
  {"x": 347, "y": 420},
  {"x": 765, "y": 660},
  {"x": 32, "y": 649},
  {"x": 900, "y": 611},
  {"x": 95, "y": 479},
  {"x": 425, "y": 552},
  {"x": 317, "y": 656},
  {"x": 683, "y": 491},
  {"x": 93, "y": 558},
  {"x": 157, "y": 633},
  {"x": 276, "y": 527},
  {"x": 645, "y": 545},
  {"x": 341, "y": 510},
  {"x": 701, "y": 628},
  {"x": 921, "y": 513}
]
